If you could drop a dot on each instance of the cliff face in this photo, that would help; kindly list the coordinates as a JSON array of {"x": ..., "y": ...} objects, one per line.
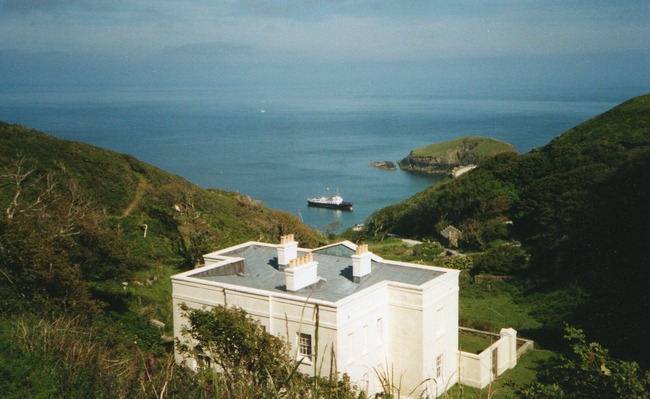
[{"x": 442, "y": 158}]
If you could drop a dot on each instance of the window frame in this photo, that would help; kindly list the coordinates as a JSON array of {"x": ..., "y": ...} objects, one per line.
[
  {"x": 305, "y": 349},
  {"x": 440, "y": 361}
]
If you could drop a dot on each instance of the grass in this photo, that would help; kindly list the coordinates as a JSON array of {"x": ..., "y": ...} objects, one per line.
[
  {"x": 494, "y": 305},
  {"x": 504, "y": 387},
  {"x": 487, "y": 306},
  {"x": 473, "y": 343},
  {"x": 485, "y": 147},
  {"x": 151, "y": 294}
]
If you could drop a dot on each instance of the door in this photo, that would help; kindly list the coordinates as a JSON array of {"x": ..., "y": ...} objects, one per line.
[{"x": 495, "y": 362}]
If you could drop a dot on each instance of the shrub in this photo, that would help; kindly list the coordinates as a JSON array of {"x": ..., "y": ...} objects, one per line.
[{"x": 503, "y": 260}]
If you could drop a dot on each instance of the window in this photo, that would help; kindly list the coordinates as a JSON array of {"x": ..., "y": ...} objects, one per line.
[
  {"x": 304, "y": 345},
  {"x": 202, "y": 359},
  {"x": 439, "y": 364}
]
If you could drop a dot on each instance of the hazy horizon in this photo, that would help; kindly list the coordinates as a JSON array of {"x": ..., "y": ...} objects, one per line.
[{"x": 467, "y": 45}]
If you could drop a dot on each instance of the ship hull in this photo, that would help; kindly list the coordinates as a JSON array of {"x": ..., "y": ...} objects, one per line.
[{"x": 344, "y": 206}]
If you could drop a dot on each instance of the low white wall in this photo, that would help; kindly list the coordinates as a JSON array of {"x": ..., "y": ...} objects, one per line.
[{"x": 476, "y": 370}]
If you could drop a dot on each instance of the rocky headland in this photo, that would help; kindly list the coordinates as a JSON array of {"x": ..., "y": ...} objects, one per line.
[
  {"x": 442, "y": 158},
  {"x": 388, "y": 165}
]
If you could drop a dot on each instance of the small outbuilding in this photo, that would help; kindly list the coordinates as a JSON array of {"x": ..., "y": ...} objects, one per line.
[{"x": 452, "y": 235}]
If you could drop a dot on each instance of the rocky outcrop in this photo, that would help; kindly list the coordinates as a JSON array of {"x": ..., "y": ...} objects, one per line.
[
  {"x": 442, "y": 158},
  {"x": 388, "y": 165}
]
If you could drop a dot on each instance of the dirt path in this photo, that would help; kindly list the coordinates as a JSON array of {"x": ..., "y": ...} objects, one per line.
[{"x": 139, "y": 192}]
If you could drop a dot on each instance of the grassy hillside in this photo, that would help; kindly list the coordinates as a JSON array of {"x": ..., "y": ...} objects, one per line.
[
  {"x": 92, "y": 219},
  {"x": 579, "y": 208},
  {"x": 441, "y": 158},
  {"x": 480, "y": 146},
  {"x": 126, "y": 188}
]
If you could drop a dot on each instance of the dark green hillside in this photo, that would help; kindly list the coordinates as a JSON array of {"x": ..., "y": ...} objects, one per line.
[
  {"x": 74, "y": 216},
  {"x": 579, "y": 205}
]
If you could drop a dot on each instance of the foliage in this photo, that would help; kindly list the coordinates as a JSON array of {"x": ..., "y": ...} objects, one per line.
[
  {"x": 427, "y": 250},
  {"x": 578, "y": 206},
  {"x": 53, "y": 242},
  {"x": 588, "y": 371},
  {"x": 74, "y": 214},
  {"x": 610, "y": 256},
  {"x": 459, "y": 263},
  {"x": 64, "y": 358},
  {"x": 250, "y": 362},
  {"x": 502, "y": 260},
  {"x": 236, "y": 343}
]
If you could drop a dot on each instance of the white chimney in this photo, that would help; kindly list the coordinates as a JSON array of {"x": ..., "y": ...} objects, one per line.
[
  {"x": 302, "y": 272},
  {"x": 287, "y": 251},
  {"x": 361, "y": 263}
]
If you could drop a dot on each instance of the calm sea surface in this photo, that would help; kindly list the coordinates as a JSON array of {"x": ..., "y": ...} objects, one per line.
[{"x": 282, "y": 146}]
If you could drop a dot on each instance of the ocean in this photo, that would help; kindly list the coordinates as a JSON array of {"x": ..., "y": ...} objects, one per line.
[{"x": 282, "y": 145}]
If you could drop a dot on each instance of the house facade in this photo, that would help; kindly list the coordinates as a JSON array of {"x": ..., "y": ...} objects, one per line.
[{"x": 375, "y": 318}]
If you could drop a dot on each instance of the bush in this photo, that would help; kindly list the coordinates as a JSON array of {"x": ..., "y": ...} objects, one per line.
[
  {"x": 504, "y": 260},
  {"x": 588, "y": 372}
]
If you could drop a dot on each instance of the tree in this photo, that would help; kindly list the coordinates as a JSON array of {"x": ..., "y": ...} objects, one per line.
[
  {"x": 237, "y": 344},
  {"x": 53, "y": 242},
  {"x": 588, "y": 372}
]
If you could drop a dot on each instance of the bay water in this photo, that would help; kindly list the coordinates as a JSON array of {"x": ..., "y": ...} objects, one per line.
[{"x": 283, "y": 145}]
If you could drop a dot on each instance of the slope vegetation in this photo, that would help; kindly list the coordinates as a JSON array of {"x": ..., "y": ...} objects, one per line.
[
  {"x": 578, "y": 205},
  {"x": 74, "y": 216}
]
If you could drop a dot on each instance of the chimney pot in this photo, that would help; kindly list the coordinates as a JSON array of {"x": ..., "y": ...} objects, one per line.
[
  {"x": 287, "y": 251},
  {"x": 302, "y": 272}
]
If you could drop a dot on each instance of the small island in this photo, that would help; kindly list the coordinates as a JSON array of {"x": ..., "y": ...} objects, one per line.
[
  {"x": 453, "y": 156},
  {"x": 388, "y": 165}
]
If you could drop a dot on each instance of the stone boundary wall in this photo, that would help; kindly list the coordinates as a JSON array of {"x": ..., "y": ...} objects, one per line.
[{"x": 523, "y": 344}]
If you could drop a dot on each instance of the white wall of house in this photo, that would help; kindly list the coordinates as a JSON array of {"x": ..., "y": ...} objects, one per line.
[
  {"x": 407, "y": 331},
  {"x": 363, "y": 336},
  {"x": 283, "y": 316},
  {"x": 440, "y": 332}
]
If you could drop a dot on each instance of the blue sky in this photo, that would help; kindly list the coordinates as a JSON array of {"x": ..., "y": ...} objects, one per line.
[{"x": 249, "y": 40}]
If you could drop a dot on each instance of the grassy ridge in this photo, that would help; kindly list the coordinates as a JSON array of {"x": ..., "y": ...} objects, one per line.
[{"x": 481, "y": 146}]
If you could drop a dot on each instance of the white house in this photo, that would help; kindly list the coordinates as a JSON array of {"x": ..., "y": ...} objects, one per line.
[{"x": 377, "y": 317}]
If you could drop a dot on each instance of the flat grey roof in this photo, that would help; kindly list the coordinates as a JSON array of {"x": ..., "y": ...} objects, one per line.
[{"x": 334, "y": 269}]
